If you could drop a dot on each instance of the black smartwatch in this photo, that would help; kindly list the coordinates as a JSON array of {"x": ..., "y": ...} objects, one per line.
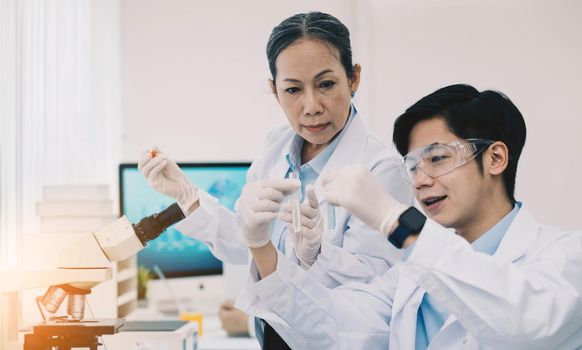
[{"x": 410, "y": 222}]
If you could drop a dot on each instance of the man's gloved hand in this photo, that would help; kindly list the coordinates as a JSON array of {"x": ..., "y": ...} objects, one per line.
[
  {"x": 259, "y": 204},
  {"x": 164, "y": 176},
  {"x": 356, "y": 189},
  {"x": 308, "y": 239}
]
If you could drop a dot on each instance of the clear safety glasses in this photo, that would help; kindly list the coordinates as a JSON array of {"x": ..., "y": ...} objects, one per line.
[{"x": 439, "y": 159}]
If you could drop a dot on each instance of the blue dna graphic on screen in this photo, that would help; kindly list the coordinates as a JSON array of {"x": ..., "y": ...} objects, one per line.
[{"x": 178, "y": 255}]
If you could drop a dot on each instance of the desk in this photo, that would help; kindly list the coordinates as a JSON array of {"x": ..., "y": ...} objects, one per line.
[{"x": 214, "y": 338}]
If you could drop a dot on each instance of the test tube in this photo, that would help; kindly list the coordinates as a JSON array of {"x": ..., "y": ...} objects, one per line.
[
  {"x": 330, "y": 217},
  {"x": 295, "y": 205}
]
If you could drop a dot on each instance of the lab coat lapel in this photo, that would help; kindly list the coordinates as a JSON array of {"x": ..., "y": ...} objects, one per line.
[
  {"x": 406, "y": 292},
  {"x": 348, "y": 151},
  {"x": 279, "y": 170},
  {"x": 407, "y": 300},
  {"x": 522, "y": 232}
]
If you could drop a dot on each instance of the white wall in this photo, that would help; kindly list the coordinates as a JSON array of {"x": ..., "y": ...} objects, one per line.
[
  {"x": 195, "y": 73},
  {"x": 531, "y": 50}
]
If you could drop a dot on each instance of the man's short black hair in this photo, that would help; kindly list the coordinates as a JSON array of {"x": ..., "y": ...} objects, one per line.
[{"x": 469, "y": 114}]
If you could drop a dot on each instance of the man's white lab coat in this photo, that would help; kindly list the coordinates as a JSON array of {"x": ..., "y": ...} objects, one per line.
[{"x": 526, "y": 296}]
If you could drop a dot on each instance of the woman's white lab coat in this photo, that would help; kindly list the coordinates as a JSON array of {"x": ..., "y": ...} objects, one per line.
[
  {"x": 353, "y": 251},
  {"x": 526, "y": 296}
]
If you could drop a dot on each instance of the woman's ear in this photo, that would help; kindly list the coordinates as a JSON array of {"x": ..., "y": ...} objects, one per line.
[
  {"x": 497, "y": 158},
  {"x": 355, "y": 81}
]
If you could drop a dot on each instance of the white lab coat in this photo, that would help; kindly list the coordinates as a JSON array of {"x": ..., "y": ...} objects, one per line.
[
  {"x": 528, "y": 295},
  {"x": 357, "y": 253}
]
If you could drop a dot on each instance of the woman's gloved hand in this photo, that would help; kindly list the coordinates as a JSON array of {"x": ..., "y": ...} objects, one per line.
[
  {"x": 164, "y": 176},
  {"x": 259, "y": 204},
  {"x": 308, "y": 239},
  {"x": 356, "y": 189}
]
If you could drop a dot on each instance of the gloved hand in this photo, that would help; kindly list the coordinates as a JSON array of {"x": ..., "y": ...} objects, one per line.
[
  {"x": 308, "y": 239},
  {"x": 356, "y": 189},
  {"x": 167, "y": 178},
  {"x": 259, "y": 204}
]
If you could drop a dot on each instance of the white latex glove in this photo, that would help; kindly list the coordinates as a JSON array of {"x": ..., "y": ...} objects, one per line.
[
  {"x": 167, "y": 178},
  {"x": 308, "y": 239},
  {"x": 259, "y": 204},
  {"x": 356, "y": 189}
]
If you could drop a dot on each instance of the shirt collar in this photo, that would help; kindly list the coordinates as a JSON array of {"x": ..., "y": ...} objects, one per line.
[
  {"x": 318, "y": 163},
  {"x": 490, "y": 240}
]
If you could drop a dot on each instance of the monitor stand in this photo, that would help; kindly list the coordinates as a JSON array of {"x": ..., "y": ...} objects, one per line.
[{"x": 202, "y": 294}]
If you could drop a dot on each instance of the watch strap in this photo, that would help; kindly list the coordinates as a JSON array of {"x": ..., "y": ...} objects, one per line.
[{"x": 411, "y": 221}]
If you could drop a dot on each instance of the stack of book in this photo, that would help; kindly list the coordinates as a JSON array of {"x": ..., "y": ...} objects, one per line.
[
  {"x": 78, "y": 210},
  {"x": 75, "y": 209}
]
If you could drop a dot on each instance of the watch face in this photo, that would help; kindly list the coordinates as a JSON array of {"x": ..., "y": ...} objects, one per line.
[
  {"x": 410, "y": 222},
  {"x": 413, "y": 219}
]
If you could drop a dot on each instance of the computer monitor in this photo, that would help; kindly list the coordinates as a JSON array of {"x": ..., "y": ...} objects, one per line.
[{"x": 175, "y": 254}]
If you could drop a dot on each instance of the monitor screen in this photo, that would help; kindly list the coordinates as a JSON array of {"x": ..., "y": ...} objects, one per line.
[{"x": 175, "y": 254}]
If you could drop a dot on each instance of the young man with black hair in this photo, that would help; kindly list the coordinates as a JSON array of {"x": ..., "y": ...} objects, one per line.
[{"x": 501, "y": 280}]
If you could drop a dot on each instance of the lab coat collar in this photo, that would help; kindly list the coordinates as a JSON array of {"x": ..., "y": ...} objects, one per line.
[
  {"x": 279, "y": 170},
  {"x": 349, "y": 150},
  {"x": 520, "y": 235},
  {"x": 489, "y": 241}
]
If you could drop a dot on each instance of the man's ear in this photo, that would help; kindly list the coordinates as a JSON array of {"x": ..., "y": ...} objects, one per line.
[
  {"x": 273, "y": 88},
  {"x": 497, "y": 158}
]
